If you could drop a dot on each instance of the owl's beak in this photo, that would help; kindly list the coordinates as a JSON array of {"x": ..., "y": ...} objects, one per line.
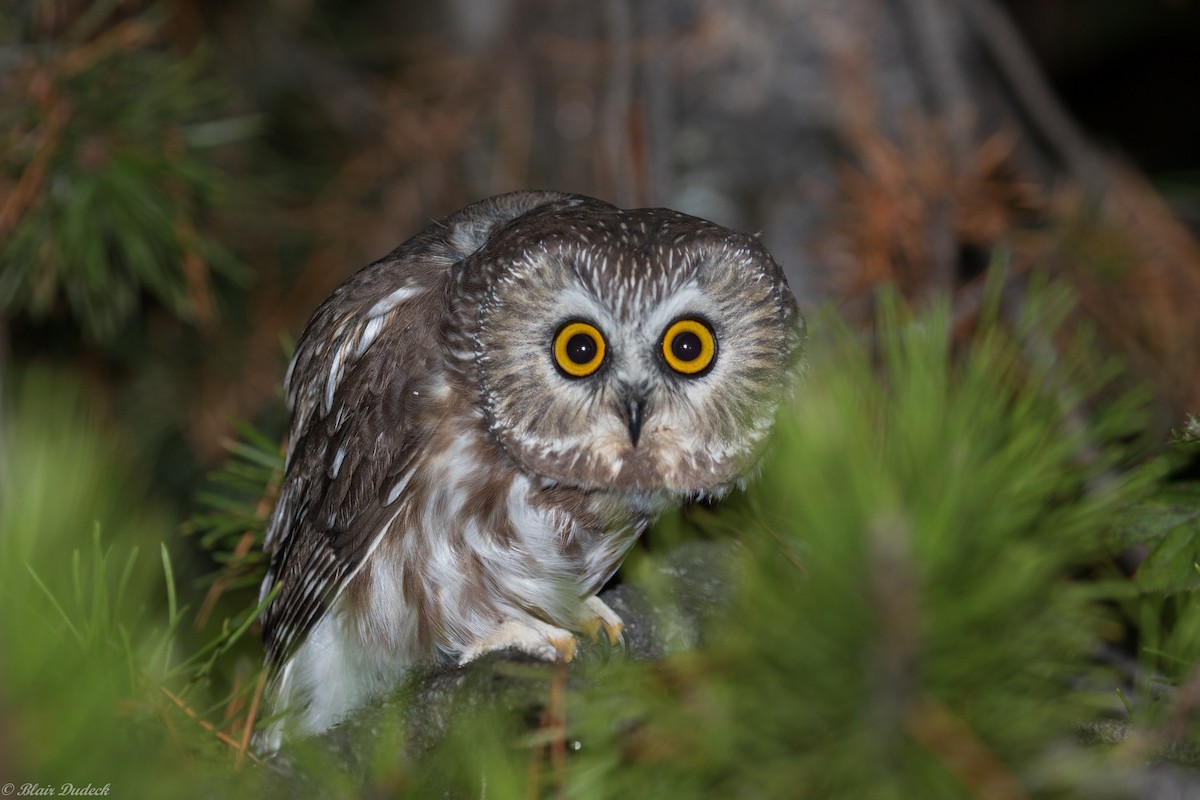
[{"x": 635, "y": 407}]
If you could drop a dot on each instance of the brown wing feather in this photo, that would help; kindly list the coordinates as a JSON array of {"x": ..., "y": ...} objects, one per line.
[
  {"x": 358, "y": 387},
  {"x": 342, "y": 464}
]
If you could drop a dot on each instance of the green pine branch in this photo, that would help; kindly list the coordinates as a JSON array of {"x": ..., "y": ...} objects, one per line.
[{"x": 111, "y": 183}]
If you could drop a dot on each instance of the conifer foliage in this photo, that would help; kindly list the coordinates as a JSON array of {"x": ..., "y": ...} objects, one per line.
[{"x": 106, "y": 177}]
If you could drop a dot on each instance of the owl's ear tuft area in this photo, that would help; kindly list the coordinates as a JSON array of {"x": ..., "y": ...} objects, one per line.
[{"x": 473, "y": 226}]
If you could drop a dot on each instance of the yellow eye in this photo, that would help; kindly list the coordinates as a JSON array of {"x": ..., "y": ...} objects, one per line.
[
  {"x": 578, "y": 349},
  {"x": 689, "y": 346}
]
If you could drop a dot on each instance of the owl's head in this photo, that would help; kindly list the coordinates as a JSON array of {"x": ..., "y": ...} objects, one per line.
[{"x": 641, "y": 350}]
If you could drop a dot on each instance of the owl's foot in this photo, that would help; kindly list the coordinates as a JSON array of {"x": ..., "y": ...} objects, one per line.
[
  {"x": 538, "y": 639},
  {"x": 596, "y": 616}
]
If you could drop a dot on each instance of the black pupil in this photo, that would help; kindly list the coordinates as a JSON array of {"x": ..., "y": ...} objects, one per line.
[
  {"x": 581, "y": 348},
  {"x": 686, "y": 346}
]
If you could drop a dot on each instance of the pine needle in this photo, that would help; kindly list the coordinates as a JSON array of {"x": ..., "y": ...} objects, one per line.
[{"x": 208, "y": 726}]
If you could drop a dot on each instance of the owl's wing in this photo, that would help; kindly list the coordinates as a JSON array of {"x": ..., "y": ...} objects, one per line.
[{"x": 358, "y": 385}]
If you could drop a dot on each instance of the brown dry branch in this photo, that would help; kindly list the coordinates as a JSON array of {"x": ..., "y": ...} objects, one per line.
[
  {"x": 787, "y": 549},
  {"x": 228, "y": 576},
  {"x": 231, "y": 570},
  {"x": 169, "y": 723},
  {"x": 196, "y": 274},
  {"x": 960, "y": 750},
  {"x": 893, "y": 193},
  {"x": 225, "y": 738},
  {"x": 236, "y": 702},
  {"x": 124, "y": 37},
  {"x": 251, "y": 717},
  {"x": 56, "y": 113},
  {"x": 1138, "y": 275},
  {"x": 1135, "y": 267},
  {"x": 551, "y": 735}
]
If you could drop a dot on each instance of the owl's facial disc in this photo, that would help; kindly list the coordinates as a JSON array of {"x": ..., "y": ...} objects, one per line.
[{"x": 632, "y": 350}]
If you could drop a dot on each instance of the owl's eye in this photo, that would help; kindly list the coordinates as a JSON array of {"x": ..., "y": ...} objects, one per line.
[
  {"x": 578, "y": 349},
  {"x": 689, "y": 346}
]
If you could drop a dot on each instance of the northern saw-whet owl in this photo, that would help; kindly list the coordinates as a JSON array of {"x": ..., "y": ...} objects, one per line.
[{"x": 488, "y": 417}]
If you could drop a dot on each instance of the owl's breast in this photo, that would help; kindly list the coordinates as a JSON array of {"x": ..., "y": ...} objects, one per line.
[{"x": 473, "y": 540}]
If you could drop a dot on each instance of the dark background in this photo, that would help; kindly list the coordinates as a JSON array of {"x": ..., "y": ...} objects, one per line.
[{"x": 1128, "y": 70}]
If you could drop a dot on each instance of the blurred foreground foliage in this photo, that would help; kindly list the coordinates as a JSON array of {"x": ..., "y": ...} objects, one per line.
[{"x": 928, "y": 588}]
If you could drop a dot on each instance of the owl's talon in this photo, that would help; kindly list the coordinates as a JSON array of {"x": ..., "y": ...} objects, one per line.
[
  {"x": 566, "y": 647},
  {"x": 538, "y": 639},
  {"x": 597, "y": 616},
  {"x": 592, "y": 627}
]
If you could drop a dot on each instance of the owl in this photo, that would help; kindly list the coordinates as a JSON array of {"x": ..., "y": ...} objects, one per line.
[{"x": 486, "y": 419}]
